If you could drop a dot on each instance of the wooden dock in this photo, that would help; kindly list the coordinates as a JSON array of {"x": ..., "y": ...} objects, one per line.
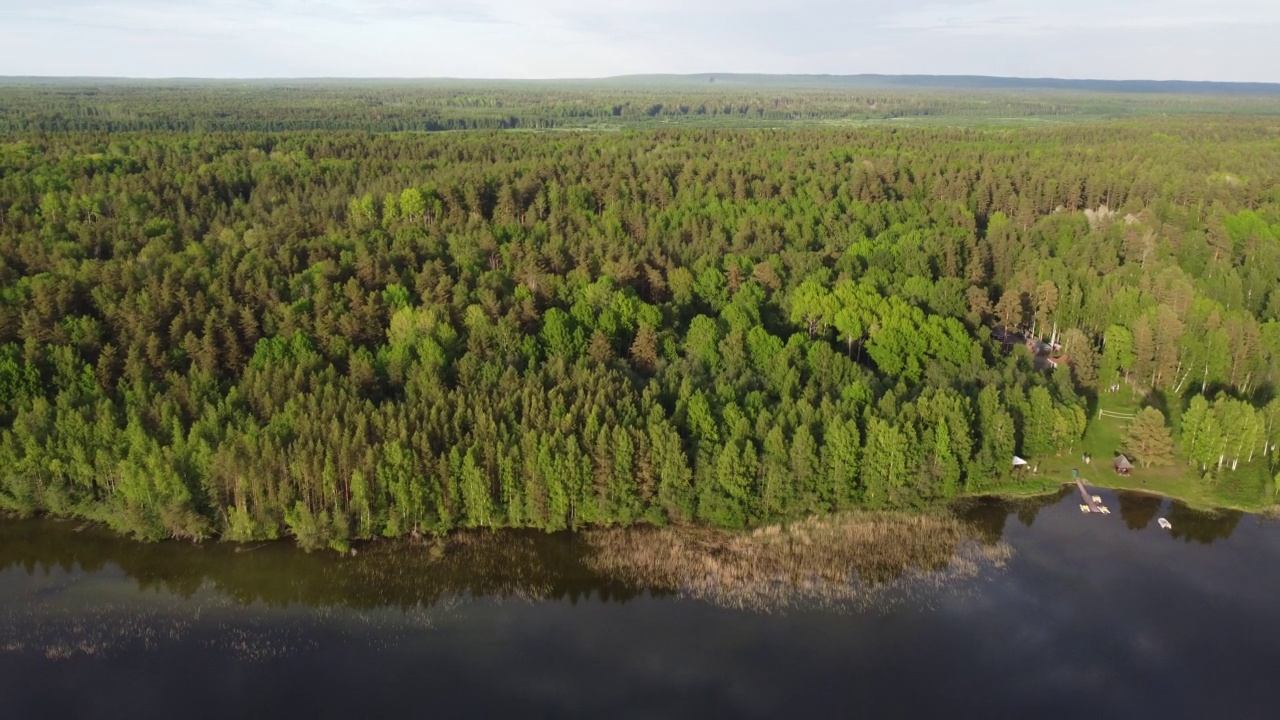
[{"x": 1088, "y": 504}]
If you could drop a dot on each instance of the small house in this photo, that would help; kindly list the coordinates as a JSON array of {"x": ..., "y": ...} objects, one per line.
[
  {"x": 1122, "y": 465},
  {"x": 1055, "y": 362}
]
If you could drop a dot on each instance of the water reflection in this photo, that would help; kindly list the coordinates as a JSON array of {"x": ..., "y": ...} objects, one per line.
[
  {"x": 1110, "y": 611},
  {"x": 73, "y": 595},
  {"x": 381, "y": 574},
  {"x": 1138, "y": 510},
  {"x": 824, "y": 561},
  {"x": 987, "y": 516},
  {"x": 612, "y": 566},
  {"x": 1202, "y": 527}
]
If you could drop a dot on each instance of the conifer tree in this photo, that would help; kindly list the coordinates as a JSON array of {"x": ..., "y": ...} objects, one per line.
[{"x": 1148, "y": 439}]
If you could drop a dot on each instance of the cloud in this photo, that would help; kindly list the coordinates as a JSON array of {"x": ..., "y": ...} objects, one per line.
[
  {"x": 227, "y": 15},
  {"x": 1193, "y": 39},
  {"x": 1010, "y": 17}
]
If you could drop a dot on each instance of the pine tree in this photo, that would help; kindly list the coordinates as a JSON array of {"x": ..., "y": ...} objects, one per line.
[
  {"x": 723, "y": 500},
  {"x": 1037, "y": 431},
  {"x": 1082, "y": 357},
  {"x": 996, "y": 446},
  {"x": 841, "y": 448},
  {"x": 1011, "y": 310},
  {"x": 625, "y": 501},
  {"x": 601, "y": 349},
  {"x": 644, "y": 350},
  {"x": 675, "y": 480},
  {"x": 804, "y": 468},
  {"x": 776, "y": 485},
  {"x": 1148, "y": 440},
  {"x": 884, "y": 463}
]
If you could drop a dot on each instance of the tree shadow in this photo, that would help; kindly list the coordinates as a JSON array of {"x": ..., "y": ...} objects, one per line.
[
  {"x": 1092, "y": 399},
  {"x": 1264, "y": 394},
  {"x": 1159, "y": 400}
]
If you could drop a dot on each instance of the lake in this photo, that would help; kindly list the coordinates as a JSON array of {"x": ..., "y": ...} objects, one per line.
[{"x": 1024, "y": 607}]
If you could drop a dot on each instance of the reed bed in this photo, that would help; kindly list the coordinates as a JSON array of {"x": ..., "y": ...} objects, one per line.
[{"x": 849, "y": 561}]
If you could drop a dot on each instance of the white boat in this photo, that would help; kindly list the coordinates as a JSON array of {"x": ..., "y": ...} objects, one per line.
[{"x": 1165, "y": 524}]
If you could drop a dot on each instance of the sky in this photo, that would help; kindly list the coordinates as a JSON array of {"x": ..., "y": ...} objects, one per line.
[{"x": 1231, "y": 40}]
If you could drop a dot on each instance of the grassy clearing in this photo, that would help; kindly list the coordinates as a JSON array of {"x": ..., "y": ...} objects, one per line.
[{"x": 1250, "y": 488}]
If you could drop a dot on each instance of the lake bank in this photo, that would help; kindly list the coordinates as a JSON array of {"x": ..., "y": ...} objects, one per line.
[
  {"x": 1174, "y": 483},
  {"x": 1168, "y": 482}
]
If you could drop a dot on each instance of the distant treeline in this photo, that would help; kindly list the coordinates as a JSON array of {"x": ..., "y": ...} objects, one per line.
[
  {"x": 337, "y": 335},
  {"x": 70, "y": 105}
]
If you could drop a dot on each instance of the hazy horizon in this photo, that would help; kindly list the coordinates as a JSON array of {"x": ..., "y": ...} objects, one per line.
[
  {"x": 722, "y": 76},
  {"x": 1189, "y": 40}
]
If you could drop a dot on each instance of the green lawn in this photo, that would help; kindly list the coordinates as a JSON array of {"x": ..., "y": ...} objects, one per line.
[{"x": 1249, "y": 488}]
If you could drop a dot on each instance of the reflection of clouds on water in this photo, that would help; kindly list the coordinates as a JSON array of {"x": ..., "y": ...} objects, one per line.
[
  {"x": 1089, "y": 617},
  {"x": 395, "y": 592},
  {"x": 1113, "y": 607},
  {"x": 41, "y": 626},
  {"x": 226, "y": 601},
  {"x": 58, "y": 622}
]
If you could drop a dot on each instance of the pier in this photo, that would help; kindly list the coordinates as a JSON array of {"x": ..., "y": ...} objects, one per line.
[{"x": 1089, "y": 504}]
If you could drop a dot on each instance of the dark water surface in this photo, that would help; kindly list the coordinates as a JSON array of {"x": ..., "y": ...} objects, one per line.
[{"x": 1056, "y": 614}]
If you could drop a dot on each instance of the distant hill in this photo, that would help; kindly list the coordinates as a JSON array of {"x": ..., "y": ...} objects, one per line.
[
  {"x": 946, "y": 82},
  {"x": 709, "y": 81}
]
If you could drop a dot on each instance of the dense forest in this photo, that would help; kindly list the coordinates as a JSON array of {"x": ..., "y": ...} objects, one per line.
[
  {"x": 343, "y": 334},
  {"x": 635, "y": 102}
]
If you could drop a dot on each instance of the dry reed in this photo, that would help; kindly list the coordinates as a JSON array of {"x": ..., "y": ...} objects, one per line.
[{"x": 849, "y": 561}]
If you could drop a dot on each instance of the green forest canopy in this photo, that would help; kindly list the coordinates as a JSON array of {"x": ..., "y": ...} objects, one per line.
[{"x": 336, "y": 334}]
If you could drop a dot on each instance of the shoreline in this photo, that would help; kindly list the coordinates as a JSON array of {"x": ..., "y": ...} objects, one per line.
[
  {"x": 1022, "y": 493},
  {"x": 853, "y": 516}
]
